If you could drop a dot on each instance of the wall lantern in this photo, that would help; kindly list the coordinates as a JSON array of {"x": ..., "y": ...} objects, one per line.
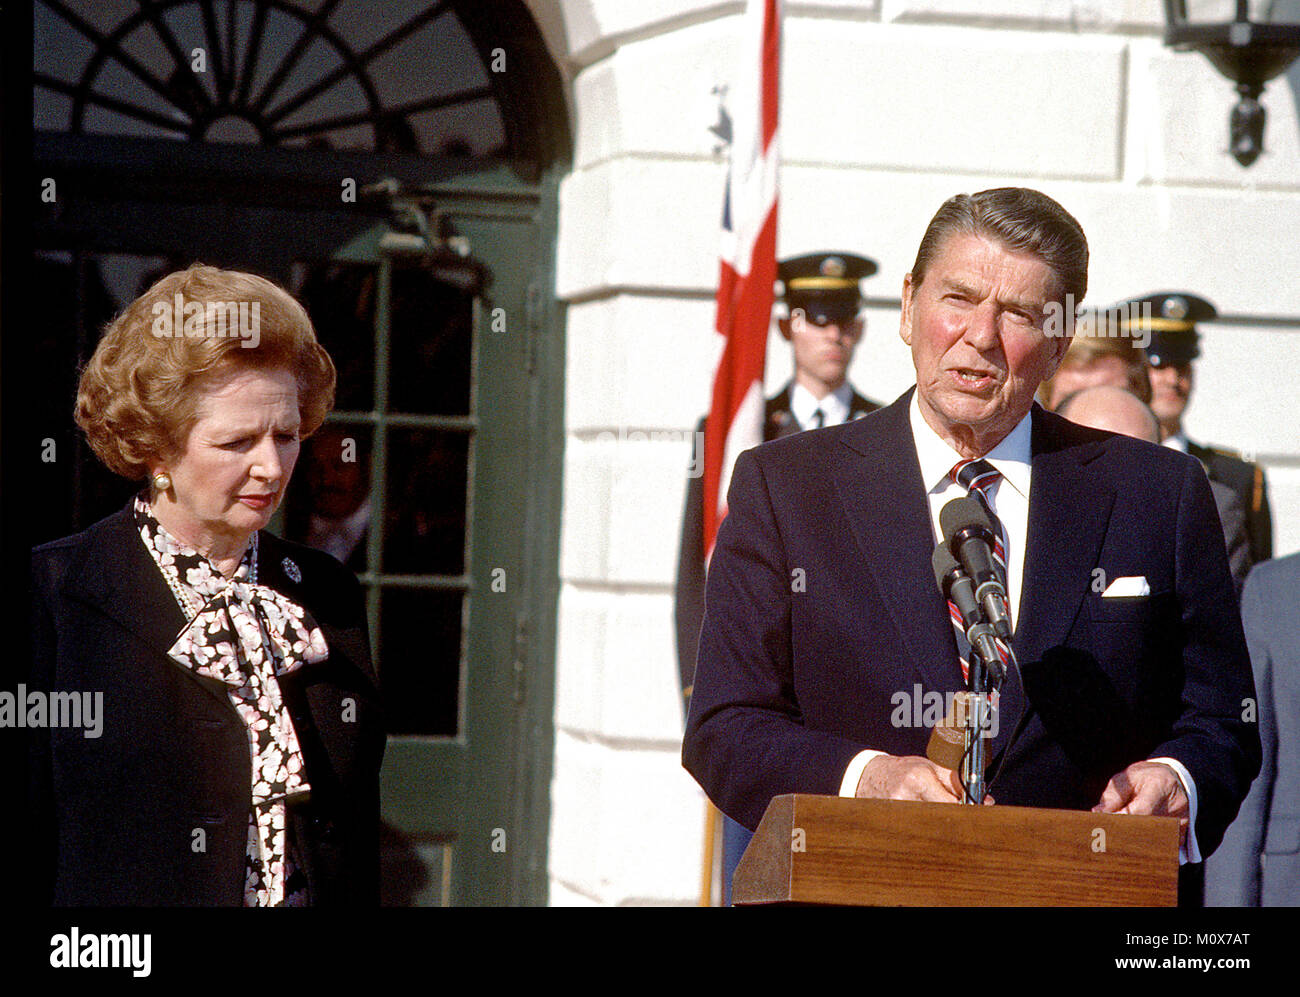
[{"x": 1249, "y": 43}]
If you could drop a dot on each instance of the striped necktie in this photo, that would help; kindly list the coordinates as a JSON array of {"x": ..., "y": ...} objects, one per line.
[{"x": 978, "y": 477}]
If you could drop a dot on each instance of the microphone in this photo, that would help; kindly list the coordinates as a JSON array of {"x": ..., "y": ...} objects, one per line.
[
  {"x": 970, "y": 532},
  {"x": 955, "y": 585},
  {"x": 958, "y": 588}
]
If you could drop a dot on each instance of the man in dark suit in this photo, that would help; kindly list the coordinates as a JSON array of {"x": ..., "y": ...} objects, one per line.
[
  {"x": 1169, "y": 318},
  {"x": 1258, "y": 864},
  {"x": 823, "y": 610},
  {"x": 330, "y": 504},
  {"x": 823, "y": 325}
]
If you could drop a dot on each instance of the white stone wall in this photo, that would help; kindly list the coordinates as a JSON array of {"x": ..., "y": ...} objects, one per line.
[{"x": 887, "y": 109}]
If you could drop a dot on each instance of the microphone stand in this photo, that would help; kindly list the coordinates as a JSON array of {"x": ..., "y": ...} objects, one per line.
[
  {"x": 977, "y": 709},
  {"x": 986, "y": 669},
  {"x": 986, "y": 675}
]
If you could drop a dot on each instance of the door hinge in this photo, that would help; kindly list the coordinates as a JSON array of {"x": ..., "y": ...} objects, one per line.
[
  {"x": 534, "y": 312},
  {"x": 520, "y": 665}
]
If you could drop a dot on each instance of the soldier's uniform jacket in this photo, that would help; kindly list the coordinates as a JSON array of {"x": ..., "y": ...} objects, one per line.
[{"x": 1247, "y": 480}]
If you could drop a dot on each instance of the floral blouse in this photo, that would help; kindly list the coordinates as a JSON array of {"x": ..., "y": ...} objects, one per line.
[{"x": 245, "y": 635}]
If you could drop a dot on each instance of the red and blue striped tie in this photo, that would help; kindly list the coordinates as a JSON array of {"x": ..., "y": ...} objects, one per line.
[{"x": 978, "y": 477}]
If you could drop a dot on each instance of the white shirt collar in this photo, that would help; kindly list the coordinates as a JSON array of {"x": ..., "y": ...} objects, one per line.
[
  {"x": 1178, "y": 441},
  {"x": 835, "y": 406},
  {"x": 1012, "y": 455},
  {"x": 339, "y": 536}
]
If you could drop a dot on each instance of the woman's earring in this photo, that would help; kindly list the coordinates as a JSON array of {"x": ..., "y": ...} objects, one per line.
[{"x": 162, "y": 481}]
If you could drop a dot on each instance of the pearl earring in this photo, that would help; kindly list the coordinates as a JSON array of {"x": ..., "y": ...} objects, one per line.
[{"x": 162, "y": 481}]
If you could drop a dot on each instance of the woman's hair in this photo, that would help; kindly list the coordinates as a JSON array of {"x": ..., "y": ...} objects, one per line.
[
  {"x": 138, "y": 394},
  {"x": 1023, "y": 220},
  {"x": 1097, "y": 335}
]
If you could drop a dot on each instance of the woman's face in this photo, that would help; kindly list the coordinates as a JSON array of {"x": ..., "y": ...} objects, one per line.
[{"x": 232, "y": 473}]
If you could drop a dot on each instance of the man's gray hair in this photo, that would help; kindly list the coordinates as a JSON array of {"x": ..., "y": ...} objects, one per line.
[{"x": 1023, "y": 220}]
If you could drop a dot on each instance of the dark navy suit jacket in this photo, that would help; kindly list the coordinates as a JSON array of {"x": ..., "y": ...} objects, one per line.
[
  {"x": 688, "y": 596},
  {"x": 114, "y": 817},
  {"x": 821, "y": 606}
]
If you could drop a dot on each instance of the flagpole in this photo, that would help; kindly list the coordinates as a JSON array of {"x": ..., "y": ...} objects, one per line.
[{"x": 710, "y": 854}]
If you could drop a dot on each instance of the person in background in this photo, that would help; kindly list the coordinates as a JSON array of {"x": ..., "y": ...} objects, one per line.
[
  {"x": 1258, "y": 864},
  {"x": 335, "y": 513},
  {"x": 1114, "y": 409},
  {"x": 1120, "y": 411},
  {"x": 1098, "y": 354}
]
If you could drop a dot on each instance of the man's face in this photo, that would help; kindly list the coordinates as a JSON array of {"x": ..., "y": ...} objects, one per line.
[
  {"x": 975, "y": 326},
  {"x": 1171, "y": 387},
  {"x": 337, "y": 485},
  {"x": 822, "y": 353}
]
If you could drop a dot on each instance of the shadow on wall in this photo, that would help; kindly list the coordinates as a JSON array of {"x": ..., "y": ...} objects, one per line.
[{"x": 1291, "y": 78}]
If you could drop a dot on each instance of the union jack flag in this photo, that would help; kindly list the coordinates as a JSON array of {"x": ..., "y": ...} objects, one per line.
[{"x": 748, "y": 262}]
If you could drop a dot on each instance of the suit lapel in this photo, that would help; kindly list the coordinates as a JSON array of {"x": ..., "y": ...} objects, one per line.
[
  {"x": 779, "y": 421},
  {"x": 278, "y": 568},
  {"x": 861, "y": 406},
  {"x": 1068, "y": 514},
  {"x": 879, "y": 483},
  {"x": 117, "y": 576}
]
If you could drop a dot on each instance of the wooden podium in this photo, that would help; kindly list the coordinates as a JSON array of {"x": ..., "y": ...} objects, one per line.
[{"x": 885, "y": 853}]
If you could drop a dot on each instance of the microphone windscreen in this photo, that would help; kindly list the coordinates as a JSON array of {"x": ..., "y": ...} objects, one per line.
[
  {"x": 945, "y": 565},
  {"x": 947, "y": 746},
  {"x": 963, "y": 514}
]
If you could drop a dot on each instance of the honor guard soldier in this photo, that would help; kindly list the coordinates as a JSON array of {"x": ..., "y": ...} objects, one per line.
[
  {"x": 823, "y": 323},
  {"x": 1170, "y": 318}
]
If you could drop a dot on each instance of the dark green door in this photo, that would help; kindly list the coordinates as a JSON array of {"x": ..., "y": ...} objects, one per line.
[{"x": 448, "y": 368}]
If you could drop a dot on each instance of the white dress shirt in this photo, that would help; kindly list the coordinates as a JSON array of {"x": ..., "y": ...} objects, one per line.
[
  {"x": 1177, "y": 442},
  {"x": 835, "y": 406},
  {"x": 339, "y": 537},
  {"x": 1009, "y": 498}
]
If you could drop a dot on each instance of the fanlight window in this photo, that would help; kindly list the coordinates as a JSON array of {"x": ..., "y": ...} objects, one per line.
[{"x": 324, "y": 73}]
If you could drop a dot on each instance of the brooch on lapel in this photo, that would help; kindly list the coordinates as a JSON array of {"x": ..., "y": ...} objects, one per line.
[{"x": 292, "y": 570}]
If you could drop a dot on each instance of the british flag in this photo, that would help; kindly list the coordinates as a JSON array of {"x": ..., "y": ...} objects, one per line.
[{"x": 748, "y": 262}]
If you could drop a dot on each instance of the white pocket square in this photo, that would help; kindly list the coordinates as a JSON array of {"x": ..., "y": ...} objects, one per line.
[{"x": 1128, "y": 586}]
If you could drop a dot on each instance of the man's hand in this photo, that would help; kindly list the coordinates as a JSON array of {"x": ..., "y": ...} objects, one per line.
[
  {"x": 909, "y": 777},
  {"x": 1150, "y": 788}
]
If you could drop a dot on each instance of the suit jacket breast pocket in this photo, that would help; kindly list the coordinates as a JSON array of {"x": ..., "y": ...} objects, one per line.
[
  {"x": 1133, "y": 611},
  {"x": 1136, "y": 635}
]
